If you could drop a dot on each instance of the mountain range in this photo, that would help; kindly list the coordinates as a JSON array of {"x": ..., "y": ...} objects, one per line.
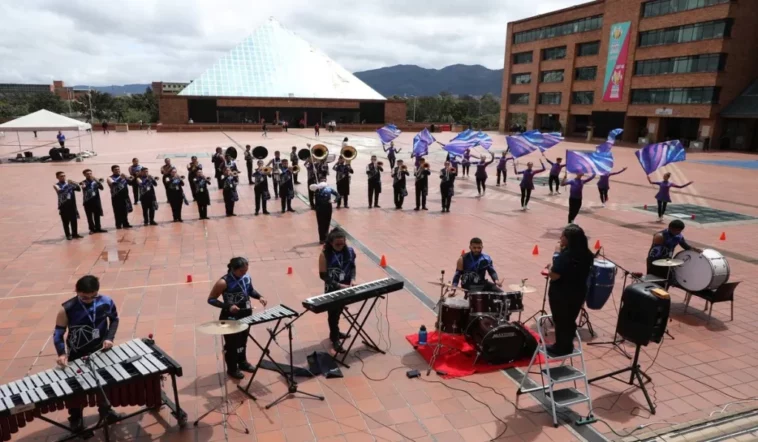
[{"x": 458, "y": 79}]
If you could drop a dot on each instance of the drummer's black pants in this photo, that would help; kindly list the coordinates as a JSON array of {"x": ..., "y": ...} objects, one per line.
[{"x": 565, "y": 308}]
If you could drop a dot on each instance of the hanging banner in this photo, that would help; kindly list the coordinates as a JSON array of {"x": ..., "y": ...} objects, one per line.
[{"x": 615, "y": 68}]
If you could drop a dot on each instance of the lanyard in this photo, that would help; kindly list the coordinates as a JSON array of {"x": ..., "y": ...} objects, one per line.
[
  {"x": 92, "y": 316},
  {"x": 240, "y": 281}
]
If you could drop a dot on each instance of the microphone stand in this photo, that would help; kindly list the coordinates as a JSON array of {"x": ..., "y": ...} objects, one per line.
[{"x": 617, "y": 340}]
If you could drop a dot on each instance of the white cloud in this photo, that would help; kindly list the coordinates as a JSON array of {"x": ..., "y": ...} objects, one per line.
[{"x": 139, "y": 41}]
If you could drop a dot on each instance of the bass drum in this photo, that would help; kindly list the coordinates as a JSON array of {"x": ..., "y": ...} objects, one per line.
[
  {"x": 701, "y": 271},
  {"x": 496, "y": 343}
]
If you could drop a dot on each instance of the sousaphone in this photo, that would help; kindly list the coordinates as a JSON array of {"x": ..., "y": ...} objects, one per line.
[
  {"x": 231, "y": 151},
  {"x": 349, "y": 153},
  {"x": 260, "y": 152},
  {"x": 319, "y": 152}
]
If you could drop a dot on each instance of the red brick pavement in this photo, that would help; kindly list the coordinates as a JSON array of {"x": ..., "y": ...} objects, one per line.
[{"x": 38, "y": 269}]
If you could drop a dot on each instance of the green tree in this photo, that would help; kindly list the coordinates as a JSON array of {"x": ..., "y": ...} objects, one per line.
[
  {"x": 98, "y": 104},
  {"x": 45, "y": 100}
]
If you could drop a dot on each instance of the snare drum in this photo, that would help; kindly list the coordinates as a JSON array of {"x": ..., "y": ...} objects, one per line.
[
  {"x": 487, "y": 303},
  {"x": 454, "y": 315},
  {"x": 701, "y": 271}
]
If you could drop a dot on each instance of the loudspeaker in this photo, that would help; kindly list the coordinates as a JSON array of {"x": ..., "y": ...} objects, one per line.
[{"x": 643, "y": 315}]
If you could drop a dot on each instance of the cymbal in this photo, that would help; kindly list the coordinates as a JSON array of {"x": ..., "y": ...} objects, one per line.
[
  {"x": 224, "y": 327},
  {"x": 668, "y": 262},
  {"x": 522, "y": 288},
  {"x": 446, "y": 285}
]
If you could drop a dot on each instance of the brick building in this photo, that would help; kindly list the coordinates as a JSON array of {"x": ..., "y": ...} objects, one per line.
[
  {"x": 274, "y": 75},
  {"x": 660, "y": 69}
]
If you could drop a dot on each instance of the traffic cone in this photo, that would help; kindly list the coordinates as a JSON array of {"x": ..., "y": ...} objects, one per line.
[
  {"x": 597, "y": 245},
  {"x": 383, "y": 262},
  {"x": 723, "y": 236},
  {"x": 463, "y": 252},
  {"x": 536, "y": 250},
  {"x": 645, "y": 206},
  {"x": 289, "y": 270},
  {"x": 189, "y": 278},
  {"x": 693, "y": 216}
]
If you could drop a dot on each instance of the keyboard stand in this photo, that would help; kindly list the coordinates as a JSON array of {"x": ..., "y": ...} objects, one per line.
[{"x": 357, "y": 322}]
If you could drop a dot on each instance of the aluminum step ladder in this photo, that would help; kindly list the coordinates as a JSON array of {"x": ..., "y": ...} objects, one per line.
[{"x": 566, "y": 371}]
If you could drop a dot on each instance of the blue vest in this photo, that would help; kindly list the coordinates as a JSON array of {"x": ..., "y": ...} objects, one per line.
[
  {"x": 475, "y": 268},
  {"x": 238, "y": 292},
  {"x": 83, "y": 320},
  {"x": 339, "y": 267},
  {"x": 665, "y": 250}
]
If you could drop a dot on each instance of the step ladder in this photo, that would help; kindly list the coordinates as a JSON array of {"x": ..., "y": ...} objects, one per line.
[{"x": 566, "y": 371}]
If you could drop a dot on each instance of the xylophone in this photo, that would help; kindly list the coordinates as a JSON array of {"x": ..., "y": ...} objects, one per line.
[
  {"x": 130, "y": 375},
  {"x": 274, "y": 313}
]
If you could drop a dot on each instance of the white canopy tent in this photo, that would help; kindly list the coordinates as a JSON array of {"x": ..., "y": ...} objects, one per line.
[{"x": 45, "y": 120}]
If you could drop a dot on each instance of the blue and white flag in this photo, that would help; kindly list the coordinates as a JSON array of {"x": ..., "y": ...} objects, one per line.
[
  {"x": 587, "y": 162},
  {"x": 518, "y": 146},
  {"x": 532, "y": 141},
  {"x": 654, "y": 156},
  {"x": 468, "y": 139},
  {"x": 606, "y": 147},
  {"x": 421, "y": 143},
  {"x": 388, "y": 133}
]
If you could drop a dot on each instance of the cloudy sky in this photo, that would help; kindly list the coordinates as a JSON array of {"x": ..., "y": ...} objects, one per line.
[{"x": 138, "y": 41}]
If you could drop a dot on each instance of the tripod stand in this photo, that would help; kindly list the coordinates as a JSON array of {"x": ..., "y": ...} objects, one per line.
[
  {"x": 438, "y": 346},
  {"x": 635, "y": 372},
  {"x": 617, "y": 340},
  {"x": 542, "y": 311},
  {"x": 225, "y": 406}
]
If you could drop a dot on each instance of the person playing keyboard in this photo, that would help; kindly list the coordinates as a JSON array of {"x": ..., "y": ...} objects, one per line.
[
  {"x": 92, "y": 321},
  {"x": 336, "y": 267}
]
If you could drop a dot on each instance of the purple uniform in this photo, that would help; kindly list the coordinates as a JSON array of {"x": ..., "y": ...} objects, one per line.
[
  {"x": 503, "y": 162},
  {"x": 665, "y": 190},
  {"x": 555, "y": 168},
  {"x": 577, "y": 185},
  {"x": 527, "y": 181}
]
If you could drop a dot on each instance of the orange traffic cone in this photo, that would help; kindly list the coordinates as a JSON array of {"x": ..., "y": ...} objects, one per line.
[
  {"x": 536, "y": 250},
  {"x": 383, "y": 262},
  {"x": 463, "y": 252},
  {"x": 189, "y": 278},
  {"x": 597, "y": 245},
  {"x": 723, "y": 236},
  {"x": 289, "y": 270},
  {"x": 645, "y": 206},
  {"x": 693, "y": 216}
]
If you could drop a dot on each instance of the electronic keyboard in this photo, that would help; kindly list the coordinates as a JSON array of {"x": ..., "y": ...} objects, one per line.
[{"x": 351, "y": 295}]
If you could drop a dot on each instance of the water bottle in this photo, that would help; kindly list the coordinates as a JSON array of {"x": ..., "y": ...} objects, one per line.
[{"x": 422, "y": 335}]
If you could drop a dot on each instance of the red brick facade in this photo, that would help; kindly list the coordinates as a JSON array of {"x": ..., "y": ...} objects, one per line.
[
  {"x": 395, "y": 112},
  {"x": 172, "y": 109},
  {"x": 741, "y": 66}
]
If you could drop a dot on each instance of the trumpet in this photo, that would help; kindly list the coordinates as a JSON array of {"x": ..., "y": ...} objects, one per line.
[
  {"x": 100, "y": 180},
  {"x": 295, "y": 169},
  {"x": 426, "y": 166},
  {"x": 71, "y": 182},
  {"x": 266, "y": 170},
  {"x": 348, "y": 153},
  {"x": 404, "y": 168},
  {"x": 379, "y": 164}
]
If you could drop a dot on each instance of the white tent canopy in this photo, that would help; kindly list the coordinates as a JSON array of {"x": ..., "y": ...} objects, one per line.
[{"x": 43, "y": 120}]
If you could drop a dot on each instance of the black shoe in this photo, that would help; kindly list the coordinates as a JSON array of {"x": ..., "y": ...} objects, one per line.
[
  {"x": 338, "y": 207},
  {"x": 424, "y": 208},
  {"x": 347, "y": 207},
  {"x": 76, "y": 425},
  {"x": 377, "y": 206},
  {"x": 322, "y": 242},
  {"x": 256, "y": 213},
  {"x": 552, "y": 350},
  {"x": 180, "y": 220},
  {"x": 337, "y": 347},
  {"x": 370, "y": 206},
  {"x": 236, "y": 374},
  {"x": 101, "y": 231},
  {"x": 145, "y": 223},
  {"x": 248, "y": 367},
  {"x": 92, "y": 232},
  {"x": 290, "y": 210},
  {"x": 265, "y": 213},
  {"x": 119, "y": 227},
  {"x": 77, "y": 236},
  {"x": 344, "y": 335},
  {"x": 112, "y": 416},
  {"x": 153, "y": 223},
  {"x": 69, "y": 237},
  {"x": 128, "y": 226},
  {"x": 416, "y": 209}
]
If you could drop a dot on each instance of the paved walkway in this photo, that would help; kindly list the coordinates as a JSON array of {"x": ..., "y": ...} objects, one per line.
[{"x": 145, "y": 269}]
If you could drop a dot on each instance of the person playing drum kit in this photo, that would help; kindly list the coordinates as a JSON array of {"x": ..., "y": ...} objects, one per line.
[
  {"x": 664, "y": 243},
  {"x": 472, "y": 268}
]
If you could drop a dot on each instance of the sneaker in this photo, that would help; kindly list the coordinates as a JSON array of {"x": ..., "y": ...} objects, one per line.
[
  {"x": 237, "y": 374},
  {"x": 603, "y": 205}
]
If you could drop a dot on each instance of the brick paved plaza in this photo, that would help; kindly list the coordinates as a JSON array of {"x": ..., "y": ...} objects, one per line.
[{"x": 145, "y": 269}]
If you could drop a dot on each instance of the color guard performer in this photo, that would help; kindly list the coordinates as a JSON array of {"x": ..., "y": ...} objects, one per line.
[
  {"x": 374, "y": 170},
  {"x": 466, "y": 162},
  {"x": 192, "y": 173},
  {"x": 261, "y": 189},
  {"x": 230, "y": 181},
  {"x": 67, "y": 205},
  {"x": 235, "y": 290},
  {"x": 336, "y": 267},
  {"x": 122, "y": 206},
  {"x": 175, "y": 193},
  {"x": 323, "y": 197},
  {"x": 399, "y": 189},
  {"x": 89, "y": 322},
  {"x": 276, "y": 166},
  {"x": 447, "y": 185},
  {"x": 391, "y": 153},
  {"x": 502, "y": 168},
  {"x": 93, "y": 206},
  {"x": 146, "y": 185},
  {"x": 664, "y": 193},
  {"x": 481, "y": 174},
  {"x": 249, "y": 164},
  {"x": 663, "y": 246},
  {"x": 218, "y": 166},
  {"x": 422, "y": 173},
  {"x": 344, "y": 170},
  {"x": 202, "y": 195},
  {"x": 527, "y": 181},
  {"x": 294, "y": 159},
  {"x": 555, "y": 173},
  {"x": 133, "y": 174},
  {"x": 286, "y": 188},
  {"x": 472, "y": 269},
  {"x": 604, "y": 184},
  {"x": 575, "y": 193}
]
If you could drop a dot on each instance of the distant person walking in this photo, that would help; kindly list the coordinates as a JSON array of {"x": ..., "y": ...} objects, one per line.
[
  {"x": 265, "y": 130},
  {"x": 105, "y": 127},
  {"x": 315, "y": 129},
  {"x": 61, "y": 139}
]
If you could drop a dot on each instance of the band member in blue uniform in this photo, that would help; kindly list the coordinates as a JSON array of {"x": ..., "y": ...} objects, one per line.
[
  {"x": 344, "y": 170},
  {"x": 447, "y": 185},
  {"x": 663, "y": 246},
  {"x": 122, "y": 205},
  {"x": 218, "y": 166},
  {"x": 664, "y": 193},
  {"x": 249, "y": 164},
  {"x": 133, "y": 174},
  {"x": 575, "y": 193},
  {"x": 472, "y": 268},
  {"x": 391, "y": 153},
  {"x": 527, "y": 181},
  {"x": 310, "y": 170},
  {"x": 374, "y": 171},
  {"x": 481, "y": 174},
  {"x": 146, "y": 185},
  {"x": 502, "y": 170},
  {"x": 235, "y": 290},
  {"x": 85, "y": 324},
  {"x": 294, "y": 160},
  {"x": 276, "y": 166},
  {"x": 555, "y": 173},
  {"x": 323, "y": 196},
  {"x": 192, "y": 169},
  {"x": 67, "y": 205},
  {"x": 261, "y": 189},
  {"x": 93, "y": 207},
  {"x": 604, "y": 184},
  {"x": 336, "y": 267},
  {"x": 202, "y": 195},
  {"x": 175, "y": 194},
  {"x": 230, "y": 181},
  {"x": 286, "y": 187},
  {"x": 399, "y": 189},
  {"x": 572, "y": 263},
  {"x": 165, "y": 174},
  {"x": 421, "y": 174}
]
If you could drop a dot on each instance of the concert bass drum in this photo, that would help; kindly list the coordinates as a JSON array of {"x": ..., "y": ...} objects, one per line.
[
  {"x": 499, "y": 343},
  {"x": 701, "y": 271},
  {"x": 454, "y": 316}
]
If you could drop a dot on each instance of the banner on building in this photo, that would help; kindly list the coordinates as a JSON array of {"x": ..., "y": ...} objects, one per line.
[{"x": 615, "y": 68}]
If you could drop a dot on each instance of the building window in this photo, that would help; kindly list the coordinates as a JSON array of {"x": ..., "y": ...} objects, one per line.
[
  {"x": 683, "y": 34},
  {"x": 586, "y": 73},
  {"x": 591, "y": 48},
  {"x": 521, "y": 78},
  {"x": 522, "y": 58},
  {"x": 555, "y": 76},
  {"x": 550, "y": 98},
  {"x": 554, "y": 53},
  {"x": 681, "y": 95},
  {"x": 559, "y": 30},
  {"x": 662, "y": 7},
  {"x": 681, "y": 65},
  {"x": 584, "y": 97},
  {"x": 518, "y": 99}
]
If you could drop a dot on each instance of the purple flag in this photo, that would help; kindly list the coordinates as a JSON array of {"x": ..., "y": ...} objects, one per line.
[
  {"x": 584, "y": 161},
  {"x": 421, "y": 143},
  {"x": 388, "y": 133},
  {"x": 518, "y": 146},
  {"x": 606, "y": 147},
  {"x": 654, "y": 156}
]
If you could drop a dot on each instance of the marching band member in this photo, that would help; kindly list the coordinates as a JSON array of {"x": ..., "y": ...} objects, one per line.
[
  {"x": 67, "y": 205},
  {"x": 344, "y": 170},
  {"x": 447, "y": 186},
  {"x": 276, "y": 166},
  {"x": 175, "y": 192},
  {"x": 555, "y": 173},
  {"x": 91, "y": 320},
  {"x": 324, "y": 207},
  {"x": 664, "y": 192},
  {"x": 146, "y": 185},
  {"x": 166, "y": 168},
  {"x": 604, "y": 184},
  {"x": 664, "y": 243},
  {"x": 122, "y": 205},
  {"x": 391, "y": 153},
  {"x": 336, "y": 267},
  {"x": 202, "y": 196},
  {"x": 502, "y": 168},
  {"x": 472, "y": 269},
  {"x": 93, "y": 206},
  {"x": 374, "y": 170},
  {"x": 422, "y": 183},
  {"x": 294, "y": 159},
  {"x": 249, "y": 164},
  {"x": 133, "y": 174},
  {"x": 286, "y": 188},
  {"x": 230, "y": 163},
  {"x": 322, "y": 169},
  {"x": 230, "y": 181},
  {"x": 399, "y": 189},
  {"x": 218, "y": 166},
  {"x": 310, "y": 169},
  {"x": 575, "y": 193},
  {"x": 481, "y": 174},
  {"x": 235, "y": 290},
  {"x": 527, "y": 181},
  {"x": 192, "y": 173},
  {"x": 261, "y": 189}
]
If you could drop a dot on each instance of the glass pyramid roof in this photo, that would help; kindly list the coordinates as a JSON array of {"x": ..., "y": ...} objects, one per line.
[{"x": 275, "y": 62}]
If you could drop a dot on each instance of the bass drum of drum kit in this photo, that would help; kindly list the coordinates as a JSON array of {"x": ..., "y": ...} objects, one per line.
[{"x": 482, "y": 319}]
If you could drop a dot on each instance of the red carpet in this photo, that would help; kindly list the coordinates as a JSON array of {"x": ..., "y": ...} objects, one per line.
[{"x": 457, "y": 359}]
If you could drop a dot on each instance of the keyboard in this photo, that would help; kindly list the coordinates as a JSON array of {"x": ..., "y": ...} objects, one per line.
[
  {"x": 351, "y": 295},
  {"x": 271, "y": 314},
  {"x": 130, "y": 374}
]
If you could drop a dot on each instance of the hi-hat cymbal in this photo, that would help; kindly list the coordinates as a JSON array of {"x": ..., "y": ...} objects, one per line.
[
  {"x": 223, "y": 327},
  {"x": 447, "y": 285},
  {"x": 522, "y": 288},
  {"x": 668, "y": 262}
]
